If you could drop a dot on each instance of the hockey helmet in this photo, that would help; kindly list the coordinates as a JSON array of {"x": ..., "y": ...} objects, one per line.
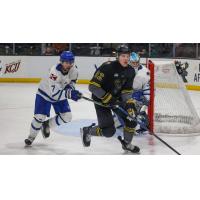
[
  {"x": 67, "y": 56},
  {"x": 134, "y": 57},
  {"x": 122, "y": 49}
]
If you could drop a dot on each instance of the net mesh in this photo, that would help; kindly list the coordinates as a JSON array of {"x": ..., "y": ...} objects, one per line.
[{"x": 174, "y": 112}]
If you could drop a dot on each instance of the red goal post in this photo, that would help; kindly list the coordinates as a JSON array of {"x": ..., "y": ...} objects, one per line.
[{"x": 170, "y": 109}]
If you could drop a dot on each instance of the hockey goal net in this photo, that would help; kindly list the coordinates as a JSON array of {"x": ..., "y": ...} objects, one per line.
[{"x": 171, "y": 109}]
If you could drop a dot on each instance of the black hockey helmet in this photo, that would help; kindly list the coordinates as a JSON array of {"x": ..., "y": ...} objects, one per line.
[{"x": 123, "y": 49}]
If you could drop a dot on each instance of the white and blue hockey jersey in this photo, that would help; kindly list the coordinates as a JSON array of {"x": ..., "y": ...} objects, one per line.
[
  {"x": 142, "y": 78},
  {"x": 141, "y": 84},
  {"x": 52, "y": 88}
]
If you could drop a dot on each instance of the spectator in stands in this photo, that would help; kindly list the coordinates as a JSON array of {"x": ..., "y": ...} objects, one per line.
[
  {"x": 60, "y": 47},
  {"x": 95, "y": 50},
  {"x": 7, "y": 49},
  {"x": 143, "y": 53},
  {"x": 49, "y": 51}
]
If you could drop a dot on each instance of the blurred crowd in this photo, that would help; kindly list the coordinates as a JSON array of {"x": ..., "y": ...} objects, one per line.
[{"x": 165, "y": 50}]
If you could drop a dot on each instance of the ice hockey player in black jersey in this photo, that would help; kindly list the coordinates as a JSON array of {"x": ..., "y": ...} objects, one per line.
[{"x": 112, "y": 85}]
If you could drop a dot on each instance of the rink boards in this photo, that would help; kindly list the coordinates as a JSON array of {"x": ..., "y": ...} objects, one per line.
[{"x": 30, "y": 69}]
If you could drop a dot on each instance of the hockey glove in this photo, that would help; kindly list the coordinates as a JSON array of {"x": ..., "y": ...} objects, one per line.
[
  {"x": 130, "y": 107},
  {"x": 75, "y": 95},
  {"x": 110, "y": 100},
  {"x": 137, "y": 95}
]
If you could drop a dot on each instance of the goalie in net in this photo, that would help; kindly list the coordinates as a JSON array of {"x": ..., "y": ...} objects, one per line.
[{"x": 161, "y": 89}]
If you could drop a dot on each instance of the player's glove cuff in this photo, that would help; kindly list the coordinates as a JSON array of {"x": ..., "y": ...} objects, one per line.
[{"x": 107, "y": 98}]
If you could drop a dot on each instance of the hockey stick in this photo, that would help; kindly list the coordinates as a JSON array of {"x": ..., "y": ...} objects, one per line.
[
  {"x": 151, "y": 133},
  {"x": 96, "y": 102},
  {"x": 134, "y": 119},
  {"x": 95, "y": 66}
]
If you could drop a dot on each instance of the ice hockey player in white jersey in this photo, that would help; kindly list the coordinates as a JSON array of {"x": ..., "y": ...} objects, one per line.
[
  {"x": 141, "y": 92},
  {"x": 54, "y": 90}
]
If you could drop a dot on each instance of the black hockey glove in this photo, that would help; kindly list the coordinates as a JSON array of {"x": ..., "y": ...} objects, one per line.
[
  {"x": 110, "y": 100},
  {"x": 130, "y": 107}
]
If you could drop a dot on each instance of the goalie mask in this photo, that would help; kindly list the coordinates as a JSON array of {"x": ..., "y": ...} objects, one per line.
[{"x": 134, "y": 59}]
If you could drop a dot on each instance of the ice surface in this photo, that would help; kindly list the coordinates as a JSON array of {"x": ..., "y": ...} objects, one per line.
[{"x": 16, "y": 112}]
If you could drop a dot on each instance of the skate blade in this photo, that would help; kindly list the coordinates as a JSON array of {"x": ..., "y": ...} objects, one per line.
[
  {"x": 43, "y": 134},
  {"x": 81, "y": 133},
  {"x": 126, "y": 152},
  {"x": 45, "y": 137},
  {"x": 28, "y": 143},
  {"x": 27, "y": 146}
]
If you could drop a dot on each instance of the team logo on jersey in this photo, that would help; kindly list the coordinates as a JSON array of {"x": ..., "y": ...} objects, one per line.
[
  {"x": 53, "y": 77},
  {"x": 118, "y": 84}
]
